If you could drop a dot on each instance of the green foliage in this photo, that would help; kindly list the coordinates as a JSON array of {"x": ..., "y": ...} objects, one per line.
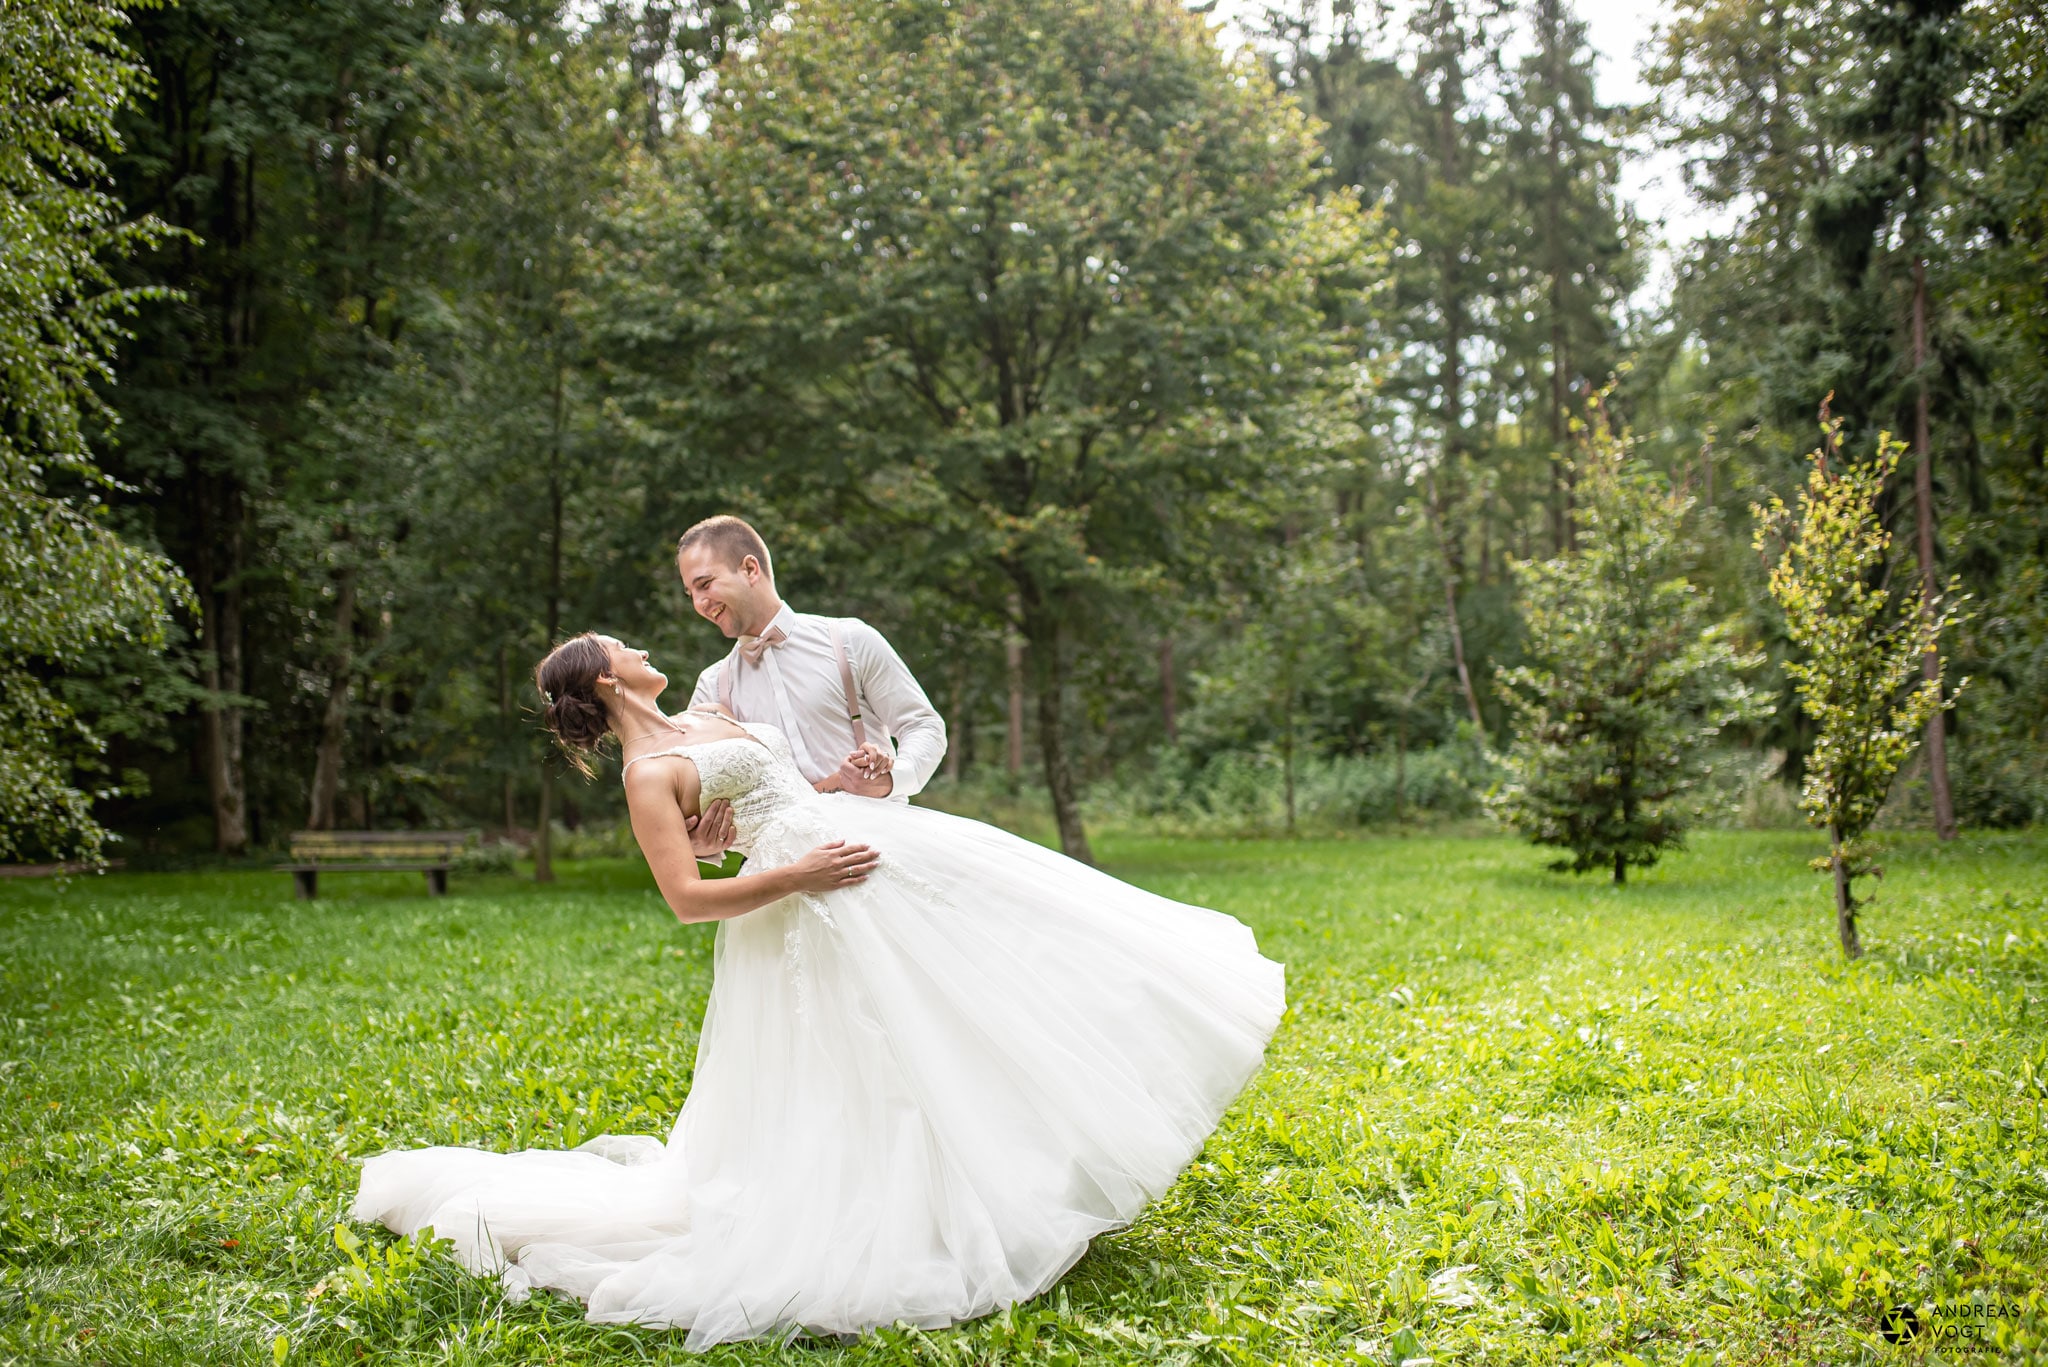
[
  {"x": 481, "y": 305},
  {"x": 2002, "y": 772},
  {"x": 1858, "y": 673},
  {"x": 1037, "y": 289},
  {"x": 70, "y": 587},
  {"x": 2002, "y": 741},
  {"x": 487, "y": 856},
  {"x": 1251, "y": 792},
  {"x": 1498, "y": 177},
  {"x": 1304, "y": 633},
  {"x": 1508, "y": 1119},
  {"x": 1845, "y": 146},
  {"x": 373, "y": 417},
  {"x": 1629, "y": 679},
  {"x": 1572, "y": 237}
]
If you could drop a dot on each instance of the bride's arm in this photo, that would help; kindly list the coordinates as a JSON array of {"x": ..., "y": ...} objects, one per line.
[{"x": 657, "y": 796}]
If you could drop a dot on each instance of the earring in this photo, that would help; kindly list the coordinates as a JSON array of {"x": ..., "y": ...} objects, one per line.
[{"x": 616, "y": 690}]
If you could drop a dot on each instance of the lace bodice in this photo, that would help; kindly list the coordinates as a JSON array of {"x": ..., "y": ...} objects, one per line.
[{"x": 758, "y": 777}]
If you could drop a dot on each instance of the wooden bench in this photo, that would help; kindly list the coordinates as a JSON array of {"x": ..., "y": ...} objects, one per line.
[{"x": 428, "y": 852}]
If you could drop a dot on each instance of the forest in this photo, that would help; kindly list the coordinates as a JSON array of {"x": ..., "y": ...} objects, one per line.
[
  {"x": 1288, "y": 439},
  {"x": 1197, "y": 421}
]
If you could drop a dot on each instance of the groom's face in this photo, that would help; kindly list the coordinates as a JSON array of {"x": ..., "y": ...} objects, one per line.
[{"x": 729, "y": 596}]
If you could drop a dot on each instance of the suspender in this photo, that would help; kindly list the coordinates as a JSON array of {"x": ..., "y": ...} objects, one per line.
[
  {"x": 860, "y": 732},
  {"x": 731, "y": 662}
]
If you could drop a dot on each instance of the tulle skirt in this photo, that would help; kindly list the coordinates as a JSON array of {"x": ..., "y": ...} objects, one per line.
[{"x": 914, "y": 1100}]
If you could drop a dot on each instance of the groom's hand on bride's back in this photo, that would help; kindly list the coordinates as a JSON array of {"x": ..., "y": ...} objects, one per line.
[{"x": 711, "y": 834}]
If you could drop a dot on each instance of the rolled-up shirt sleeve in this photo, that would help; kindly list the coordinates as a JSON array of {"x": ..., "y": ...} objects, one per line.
[{"x": 895, "y": 701}]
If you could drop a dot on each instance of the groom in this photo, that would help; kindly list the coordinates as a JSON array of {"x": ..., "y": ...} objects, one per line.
[{"x": 832, "y": 684}]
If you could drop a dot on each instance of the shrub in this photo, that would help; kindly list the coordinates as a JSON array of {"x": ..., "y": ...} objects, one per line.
[{"x": 1861, "y": 646}]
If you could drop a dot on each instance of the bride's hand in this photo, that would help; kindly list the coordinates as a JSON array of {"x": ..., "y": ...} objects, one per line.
[
  {"x": 833, "y": 866},
  {"x": 711, "y": 834},
  {"x": 866, "y": 772}
]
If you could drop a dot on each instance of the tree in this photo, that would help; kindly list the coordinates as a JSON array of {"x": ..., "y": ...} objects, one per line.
[
  {"x": 2001, "y": 288},
  {"x": 347, "y": 429},
  {"x": 1576, "y": 262},
  {"x": 1920, "y": 66},
  {"x": 1868, "y": 157},
  {"x": 1296, "y": 623},
  {"x": 535, "y": 157},
  {"x": 1861, "y": 649},
  {"x": 1743, "y": 94},
  {"x": 278, "y": 138},
  {"x": 1427, "y": 141},
  {"x": 1043, "y": 283},
  {"x": 1628, "y": 677},
  {"x": 69, "y": 585}
]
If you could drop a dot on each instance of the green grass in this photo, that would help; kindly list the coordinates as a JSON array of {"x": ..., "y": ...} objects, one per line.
[{"x": 1509, "y": 1117}]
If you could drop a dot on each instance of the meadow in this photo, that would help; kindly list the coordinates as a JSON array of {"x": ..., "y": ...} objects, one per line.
[{"x": 1510, "y": 1117}]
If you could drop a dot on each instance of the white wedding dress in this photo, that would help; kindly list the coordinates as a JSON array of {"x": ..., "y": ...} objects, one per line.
[{"x": 916, "y": 1099}]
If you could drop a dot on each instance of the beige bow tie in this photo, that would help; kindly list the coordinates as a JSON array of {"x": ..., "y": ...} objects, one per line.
[{"x": 752, "y": 648}]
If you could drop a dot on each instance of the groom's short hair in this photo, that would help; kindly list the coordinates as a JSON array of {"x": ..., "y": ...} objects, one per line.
[{"x": 732, "y": 538}]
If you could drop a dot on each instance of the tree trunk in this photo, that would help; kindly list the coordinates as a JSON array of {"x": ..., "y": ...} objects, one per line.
[
  {"x": 1013, "y": 666},
  {"x": 505, "y": 719},
  {"x": 1287, "y": 748},
  {"x": 1923, "y": 510},
  {"x": 543, "y": 838},
  {"x": 1571, "y": 502},
  {"x": 968, "y": 730},
  {"x": 1450, "y": 577},
  {"x": 1401, "y": 768},
  {"x": 1626, "y": 763},
  {"x": 1560, "y": 474},
  {"x": 1845, "y": 902},
  {"x": 1458, "y": 651},
  {"x": 220, "y": 525},
  {"x": 1042, "y": 636},
  {"x": 334, "y": 720},
  {"x": 1560, "y": 494},
  {"x": 1450, "y": 268},
  {"x": 1166, "y": 694},
  {"x": 960, "y": 723}
]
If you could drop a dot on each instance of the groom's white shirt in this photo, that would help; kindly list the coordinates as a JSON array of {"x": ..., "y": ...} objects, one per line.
[{"x": 797, "y": 687}]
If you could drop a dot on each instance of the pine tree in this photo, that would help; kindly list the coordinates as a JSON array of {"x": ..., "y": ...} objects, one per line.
[
  {"x": 1629, "y": 679},
  {"x": 1743, "y": 89},
  {"x": 1450, "y": 196},
  {"x": 1424, "y": 139},
  {"x": 1919, "y": 65},
  {"x": 1576, "y": 261}
]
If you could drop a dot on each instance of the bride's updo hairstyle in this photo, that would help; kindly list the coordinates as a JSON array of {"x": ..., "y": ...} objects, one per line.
[{"x": 567, "y": 680}]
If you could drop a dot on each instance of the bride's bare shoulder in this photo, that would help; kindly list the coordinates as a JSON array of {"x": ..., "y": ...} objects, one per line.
[{"x": 662, "y": 778}]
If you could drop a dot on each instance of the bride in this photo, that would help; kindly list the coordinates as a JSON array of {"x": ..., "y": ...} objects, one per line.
[{"x": 936, "y": 1061}]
